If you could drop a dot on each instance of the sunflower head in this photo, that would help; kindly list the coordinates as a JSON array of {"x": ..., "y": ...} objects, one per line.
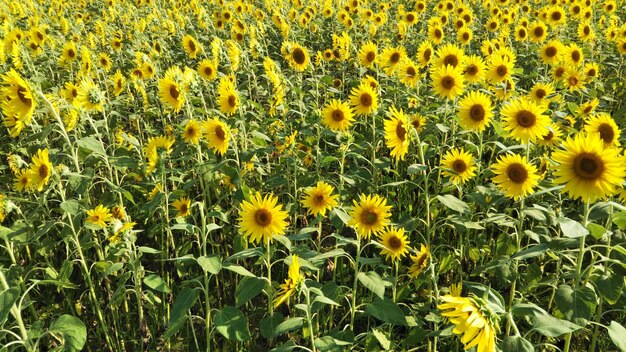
[
  {"x": 515, "y": 176},
  {"x": 262, "y": 218},
  {"x": 370, "y": 215},
  {"x": 395, "y": 243}
]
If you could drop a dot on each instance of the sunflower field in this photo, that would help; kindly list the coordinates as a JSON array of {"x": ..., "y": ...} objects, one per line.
[{"x": 325, "y": 175}]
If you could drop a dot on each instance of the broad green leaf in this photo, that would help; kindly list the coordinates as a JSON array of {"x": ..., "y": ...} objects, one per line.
[
  {"x": 579, "y": 303},
  {"x": 386, "y": 310},
  {"x": 91, "y": 144},
  {"x": 597, "y": 231},
  {"x": 516, "y": 344},
  {"x": 7, "y": 300},
  {"x": 70, "y": 206},
  {"x": 231, "y": 323},
  {"x": 373, "y": 282},
  {"x": 530, "y": 252},
  {"x": 383, "y": 340},
  {"x": 571, "y": 228},
  {"x": 325, "y": 300},
  {"x": 248, "y": 288},
  {"x": 285, "y": 347},
  {"x": 342, "y": 215},
  {"x": 535, "y": 214},
  {"x": 617, "y": 333},
  {"x": 288, "y": 325},
  {"x": 185, "y": 299},
  {"x": 268, "y": 324},
  {"x": 454, "y": 203},
  {"x": 238, "y": 269},
  {"x": 72, "y": 331},
  {"x": 211, "y": 264},
  {"x": 156, "y": 283},
  {"x": 148, "y": 250},
  {"x": 550, "y": 326},
  {"x": 619, "y": 219},
  {"x": 610, "y": 286},
  {"x": 527, "y": 309},
  {"x": 327, "y": 344}
]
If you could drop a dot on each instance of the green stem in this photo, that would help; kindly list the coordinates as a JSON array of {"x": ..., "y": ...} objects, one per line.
[
  {"x": 308, "y": 317},
  {"x": 270, "y": 291},
  {"x": 354, "y": 284},
  {"x": 17, "y": 315}
]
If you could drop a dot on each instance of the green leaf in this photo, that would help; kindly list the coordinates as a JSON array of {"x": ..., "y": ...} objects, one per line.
[
  {"x": 597, "y": 231},
  {"x": 535, "y": 214},
  {"x": 70, "y": 206},
  {"x": 571, "y": 228},
  {"x": 248, "y": 288},
  {"x": 211, "y": 264},
  {"x": 382, "y": 339},
  {"x": 526, "y": 309},
  {"x": 516, "y": 344},
  {"x": 325, "y": 300},
  {"x": 550, "y": 326},
  {"x": 72, "y": 330},
  {"x": 268, "y": 324},
  {"x": 7, "y": 300},
  {"x": 617, "y": 333},
  {"x": 373, "y": 282},
  {"x": 610, "y": 286},
  {"x": 342, "y": 215},
  {"x": 327, "y": 344},
  {"x": 530, "y": 252},
  {"x": 288, "y": 325},
  {"x": 231, "y": 323},
  {"x": 619, "y": 219},
  {"x": 416, "y": 168},
  {"x": 579, "y": 303},
  {"x": 156, "y": 283},
  {"x": 238, "y": 269},
  {"x": 185, "y": 299},
  {"x": 91, "y": 144},
  {"x": 148, "y": 250},
  {"x": 386, "y": 310},
  {"x": 454, "y": 203}
]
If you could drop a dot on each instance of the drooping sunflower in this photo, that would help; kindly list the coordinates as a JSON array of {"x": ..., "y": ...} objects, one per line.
[
  {"x": 182, "y": 206},
  {"x": 370, "y": 215},
  {"x": 459, "y": 165},
  {"x": 396, "y": 133},
  {"x": 395, "y": 243},
  {"x": 217, "y": 134},
  {"x": 292, "y": 283},
  {"x": 604, "y": 125},
  {"x": 90, "y": 97},
  {"x": 447, "y": 82},
  {"x": 228, "y": 97},
  {"x": 40, "y": 170},
  {"x": 192, "y": 132},
  {"x": 207, "y": 70},
  {"x": 171, "y": 93},
  {"x": 191, "y": 46},
  {"x": 99, "y": 216},
  {"x": 368, "y": 54},
  {"x": 524, "y": 120},
  {"x": 419, "y": 262},
  {"x": 472, "y": 319},
  {"x": 515, "y": 176},
  {"x": 319, "y": 199},
  {"x": 364, "y": 99},
  {"x": 262, "y": 218},
  {"x": 337, "y": 115},
  {"x": 588, "y": 169}
]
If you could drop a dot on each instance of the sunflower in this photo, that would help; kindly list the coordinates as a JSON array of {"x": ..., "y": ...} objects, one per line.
[
  {"x": 552, "y": 137},
  {"x": 591, "y": 71},
  {"x": 419, "y": 262},
  {"x": 40, "y": 170},
  {"x": 192, "y": 132},
  {"x": 364, "y": 99},
  {"x": 425, "y": 53},
  {"x": 22, "y": 181},
  {"x": 500, "y": 69},
  {"x": 151, "y": 150},
  {"x": 473, "y": 319},
  {"x": 588, "y": 169},
  {"x": 191, "y": 46},
  {"x": 540, "y": 92},
  {"x": 99, "y": 216},
  {"x": 573, "y": 55},
  {"x": 447, "y": 81},
  {"x": 418, "y": 122},
  {"x": 368, "y": 54},
  {"x": 538, "y": 32},
  {"x": 521, "y": 33},
  {"x": 458, "y": 165},
  {"x": 556, "y": 16},
  {"x": 69, "y": 53},
  {"x": 391, "y": 59},
  {"x": 515, "y": 176},
  {"x": 585, "y": 32},
  {"x": 183, "y": 207},
  {"x": 18, "y": 103},
  {"x": 171, "y": 93},
  {"x": 297, "y": 56},
  {"x": 262, "y": 218},
  {"x": 436, "y": 34},
  {"x": 337, "y": 115},
  {"x": 90, "y": 97},
  {"x": 524, "y": 120},
  {"x": 118, "y": 81},
  {"x": 105, "y": 61},
  {"x": 228, "y": 97},
  {"x": 396, "y": 136},
  {"x": 319, "y": 199},
  {"x": 292, "y": 283},
  {"x": 586, "y": 108},
  {"x": 475, "y": 111},
  {"x": 464, "y": 36},
  {"x": 395, "y": 243},
  {"x": 449, "y": 54},
  {"x": 409, "y": 73},
  {"x": 475, "y": 69},
  {"x": 217, "y": 134},
  {"x": 604, "y": 125},
  {"x": 370, "y": 215},
  {"x": 572, "y": 79}
]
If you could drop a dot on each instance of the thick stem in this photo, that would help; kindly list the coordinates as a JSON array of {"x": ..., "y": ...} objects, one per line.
[{"x": 354, "y": 283}]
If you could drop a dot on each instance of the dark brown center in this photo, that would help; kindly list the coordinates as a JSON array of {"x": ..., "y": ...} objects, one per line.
[
  {"x": 174, "y": 93},
  {"x": 451, "y": 60},
  {"x": 220, "y": 133},
  {"x": 551, "y": 51},
  {"x": 395, "y": 57},
  {"x": 502, "y": 70},
  {"x": 606, "y": 133},
  {"x": 517, "y": 173},
  {"x": 447, "y": 82},
  {"x": 540, "y": 93},
  {"x": 526, "y": 118},
  {"x": 20, "y": 94},
  {"x": 459, "y": 166},
  {"x": 394, "y": 243},
  {"x": 192, "y": 46},
  {"x": 370, "y": 57},
  {"x": 338, "y": 115},
  {"x": 263, "y": 217},
  {"x": 232, "y": 101},
  {"x": 366, "y": 99},
  {"x": 538, "y": 32},
  {"x": 43, "y": 171},
  {"x": 588, "y": 166},
  {"x": 401, "y": 131},
  {"x": 369, "y": 217},
  {"x": 471, "y": 69},
  {"x": 298, "y": 56},
  {"x": 477, "y": 112}
]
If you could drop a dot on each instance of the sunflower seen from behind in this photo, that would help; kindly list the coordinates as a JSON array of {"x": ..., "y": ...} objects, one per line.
[
  {"x": 473, "y": 320},
  {"x": 514, "y": 176},
  {"x": 319, "y": 199},
  {"x": 370, "y": 215},
  {"x": 588, "y": 170},
  {"x": 458, "y": 165},
  {"x": 262, "y": 218}
]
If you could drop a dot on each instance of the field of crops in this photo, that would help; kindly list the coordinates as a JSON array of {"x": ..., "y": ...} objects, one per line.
[{"x": 326, "y": 175}]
